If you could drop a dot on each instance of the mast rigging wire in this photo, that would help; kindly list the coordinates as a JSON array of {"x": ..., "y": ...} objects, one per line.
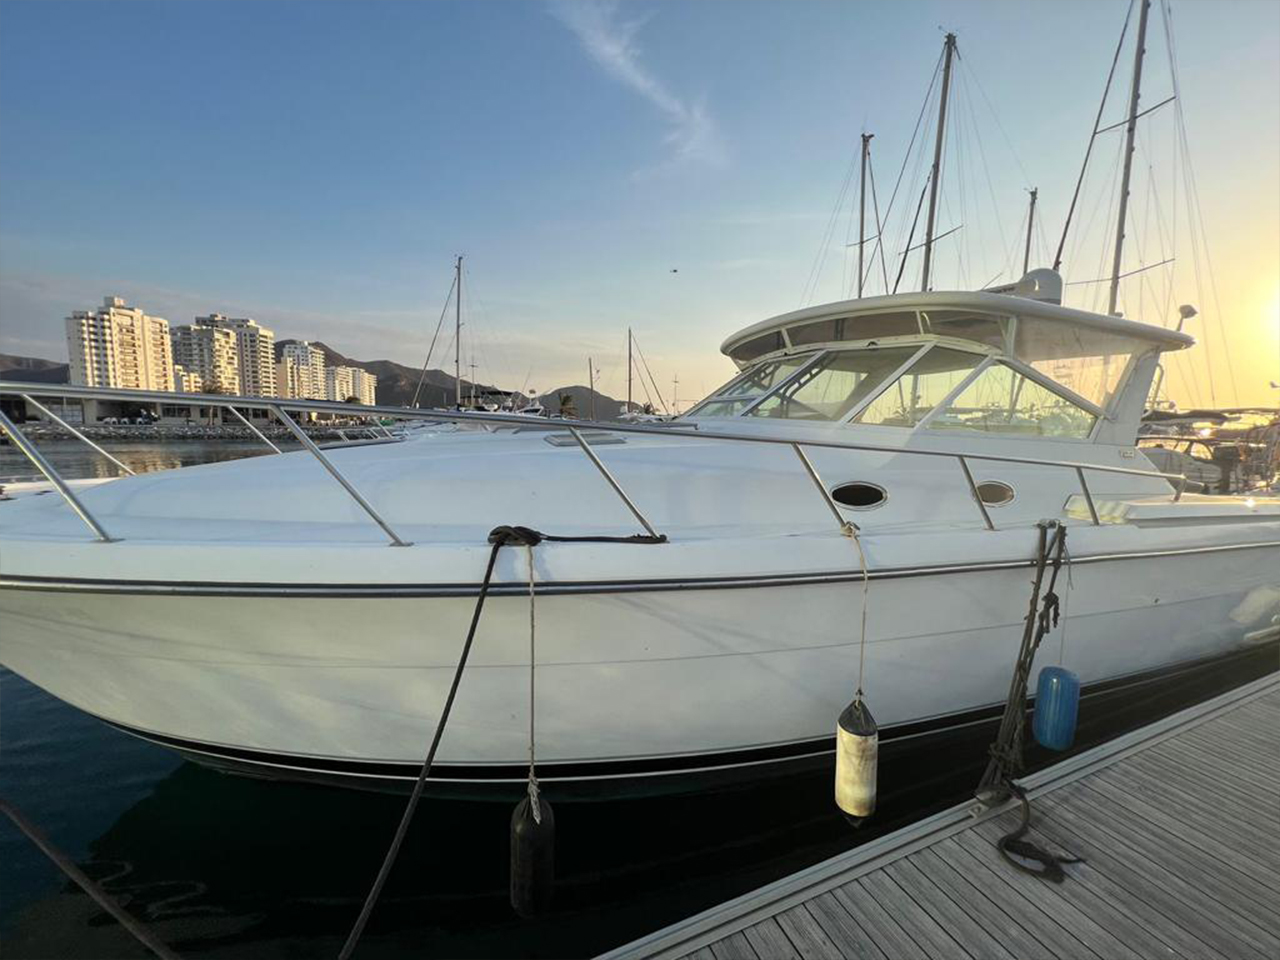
[
  {"x": 645, "y": 364},
  {"x": 421, "y": 379},
  {"x": 1195, "y": 212},
  {"x": 1106, "y": 91}
]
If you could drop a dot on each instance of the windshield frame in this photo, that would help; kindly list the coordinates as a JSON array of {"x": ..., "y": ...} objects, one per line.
[
  {"x": 926, "y": 342},
  {"x": 805, "y": 359}
]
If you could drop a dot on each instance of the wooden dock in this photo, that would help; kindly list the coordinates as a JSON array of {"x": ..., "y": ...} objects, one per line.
[{"x": 1178, "y": 825}]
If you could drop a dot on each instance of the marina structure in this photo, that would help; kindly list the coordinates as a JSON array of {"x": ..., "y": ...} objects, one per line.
[{"x": 1170, "y": 832}]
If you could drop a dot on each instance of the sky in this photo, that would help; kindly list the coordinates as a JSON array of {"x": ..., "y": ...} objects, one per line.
[{"x": 673, "y": 167}]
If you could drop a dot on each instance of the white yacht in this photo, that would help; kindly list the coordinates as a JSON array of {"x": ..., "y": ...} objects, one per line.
[{"x": 251, "y": 615}]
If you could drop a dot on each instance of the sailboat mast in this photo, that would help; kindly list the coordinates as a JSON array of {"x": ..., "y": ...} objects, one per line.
[
  {"x": 591, "y": 386},
  {"x": 862, "y": 207},
  {"x": 1031, "y": 219},
  {"x": 948, "y": 51},
  {"x": 628, "y": 369},
  {"x": 457, "y": 334},
  {"x": 1131, "y": 128}
]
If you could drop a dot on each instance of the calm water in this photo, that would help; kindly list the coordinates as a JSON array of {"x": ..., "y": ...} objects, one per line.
[{"x": 224, "y": 866}]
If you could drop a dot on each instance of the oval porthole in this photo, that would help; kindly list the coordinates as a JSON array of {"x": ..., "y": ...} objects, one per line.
[
  {"x": 995, "y": 493},
  {"x": 859, "y": 496}
]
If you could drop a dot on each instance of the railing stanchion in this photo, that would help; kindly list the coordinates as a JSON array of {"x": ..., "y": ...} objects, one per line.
[
  {"x": 50, "y": 474},
  {"x": 1088, "y": 497},
  {"x": 977, "y": 497},
  {"x": 604, "y": 472},
  {"x": 817, "y": 482},
  {"x": 258, "y": 433},
  {"x": 74, "y": 432},
  {"x": 316, "y": 452}
]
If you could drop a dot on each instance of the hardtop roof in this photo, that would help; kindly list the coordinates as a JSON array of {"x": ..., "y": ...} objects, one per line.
[{"x": 977, "y": 301}]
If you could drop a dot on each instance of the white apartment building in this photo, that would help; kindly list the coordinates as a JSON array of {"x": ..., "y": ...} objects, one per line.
[
  {"x": 363, "y": 385},
  {"x": 300, "y": 374},
  {"x": 120, "y": 347},
  {"x": 209, "y": 352},
  {"x": 337, "y": 383},
  {"x": 342, "y": 383},
  {"x": 187, "y": 381},
  {"x": 255, "y": 352}
]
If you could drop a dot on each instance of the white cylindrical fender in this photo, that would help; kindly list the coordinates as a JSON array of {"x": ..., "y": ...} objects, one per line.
[{"x": 857, "y": 753}]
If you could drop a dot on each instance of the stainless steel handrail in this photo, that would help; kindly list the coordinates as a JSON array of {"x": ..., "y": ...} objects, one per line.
[
  {"x": 279, "y": 405},
  {"x": 256, "y": 432},
  {"x": 492, "y": 419},
  {"x": 74, "y": 432},
  {"x": 604, "y": 472},
  {"x": 334, "y": 472},
  {"x": 50, "y": 474}
]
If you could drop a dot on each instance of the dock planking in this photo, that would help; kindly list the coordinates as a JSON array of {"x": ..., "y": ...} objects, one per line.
[{"x": 1177, "y": 826}]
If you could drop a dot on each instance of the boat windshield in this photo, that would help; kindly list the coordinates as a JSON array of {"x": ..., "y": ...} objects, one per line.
[
  {"x": 903, "y": 385},
  {"x": 834, "y": 385},
  {"x": 1001, "y": 399},
  {"x": 744, "y": 389}
]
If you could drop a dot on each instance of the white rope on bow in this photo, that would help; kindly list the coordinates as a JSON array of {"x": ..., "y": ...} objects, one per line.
[
  {"x": 850, "y": 530},
  {"x": 533, "y": 627}
]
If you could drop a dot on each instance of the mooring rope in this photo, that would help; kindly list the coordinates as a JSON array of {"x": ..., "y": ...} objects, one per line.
[
  {"x": 850, "y": 530},
  {"x": 1006, "y": 752},
  {"x": 533, "y": 660},
  {"x": 498, "y": 538}
]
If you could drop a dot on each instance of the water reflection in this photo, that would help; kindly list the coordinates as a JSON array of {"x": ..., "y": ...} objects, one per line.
[{"x": 74, "y": 460}]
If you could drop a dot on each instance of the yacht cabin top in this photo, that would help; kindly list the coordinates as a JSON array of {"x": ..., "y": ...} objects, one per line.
[{"x": 1013, "y": 363}]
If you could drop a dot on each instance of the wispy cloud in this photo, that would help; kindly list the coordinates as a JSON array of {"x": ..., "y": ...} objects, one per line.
[{"x": 610, "y": 40}]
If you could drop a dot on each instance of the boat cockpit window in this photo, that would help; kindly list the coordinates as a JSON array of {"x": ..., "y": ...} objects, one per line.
[
  {"x": 1089, "y": 362},
  {"x": 744, "y": 389},
  {"x": 921, "y": 388},
  {"x": 834, "y": 384},
  {"x": 870, "y": 327},
  {"x": 1003, "y": 400},
  {"x": 757, "y": 347}
]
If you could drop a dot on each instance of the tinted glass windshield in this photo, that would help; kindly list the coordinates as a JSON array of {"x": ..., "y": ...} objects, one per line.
[
  {"x": 835, "y": 384},
  {"x": 921, "y": 388},
  {"x": 743, "y": 390},
  {"x": 1002, "y": 400}
]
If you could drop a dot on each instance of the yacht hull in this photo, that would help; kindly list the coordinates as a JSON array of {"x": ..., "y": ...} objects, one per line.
[{"x": 640, "y": 688}]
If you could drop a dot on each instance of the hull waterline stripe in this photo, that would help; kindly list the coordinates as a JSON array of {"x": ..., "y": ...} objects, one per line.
[
  {"x": 638, "y": 768},
  {"x": 568, "y": 587}
]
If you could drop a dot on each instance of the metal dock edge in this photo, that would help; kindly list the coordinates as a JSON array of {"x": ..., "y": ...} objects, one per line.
[{"x": 1124, "y": 817}]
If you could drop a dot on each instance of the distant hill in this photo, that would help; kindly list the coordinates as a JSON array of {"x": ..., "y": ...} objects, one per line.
[
  {"x": 33, "y": 369},
  {"x": 396, "y": 385},
  {"x": 607, "y": 408}
]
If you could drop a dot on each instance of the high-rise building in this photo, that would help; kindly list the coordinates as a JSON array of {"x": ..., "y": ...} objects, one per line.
[
  {"x": 186, "y": 381},
  {"x": 364, "y": 385},
  {"x": 255, "y": 353},
  {"x": 343, "y": 383},
  {"x": 119, "y": 346},
  {"x": 300, "y": 373},
  {"x": 209, "y": 352},
  {"x": 337, "y": 383}
]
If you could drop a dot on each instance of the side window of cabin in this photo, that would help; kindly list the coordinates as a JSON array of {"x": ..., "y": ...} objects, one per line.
[{"x": 1002, "y": 400}]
